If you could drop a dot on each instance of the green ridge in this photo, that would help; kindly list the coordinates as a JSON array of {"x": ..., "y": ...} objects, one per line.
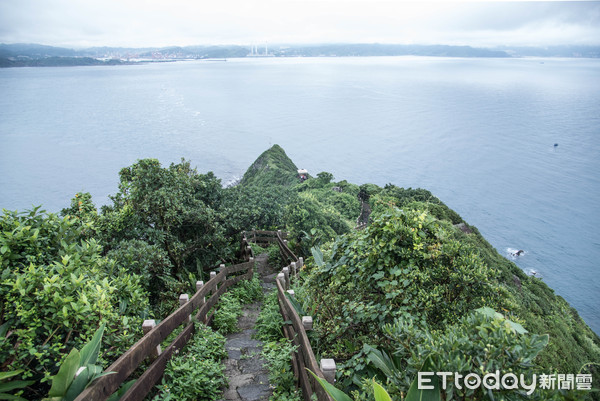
[{"x": 273, "y": 166}]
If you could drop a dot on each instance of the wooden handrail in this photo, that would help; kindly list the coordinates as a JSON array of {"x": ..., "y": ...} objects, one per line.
[
  {"x": 305, "y": 356},
  {"x": 103, "y": 387},
  {"x": 263, "y": 236},
  {"x": 285, "y": 250}
]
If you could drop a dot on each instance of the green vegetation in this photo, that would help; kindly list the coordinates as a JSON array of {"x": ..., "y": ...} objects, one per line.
[
  {"x": 278, "y": 357},
  {"x": 269, "y": 323},
  {"x": 56, "y": 290},
  {"x": 413, "y": 278},
  {"x": 272, "y": 167},
  {"x": 277, "y": 351},
  {"x": 196, "y": 373},
  {"x": 404, "y": 290},
  {"x": 229, "y": 308}
]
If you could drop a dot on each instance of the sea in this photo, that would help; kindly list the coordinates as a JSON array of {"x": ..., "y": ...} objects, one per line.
[{"x": 513, "y": 145}]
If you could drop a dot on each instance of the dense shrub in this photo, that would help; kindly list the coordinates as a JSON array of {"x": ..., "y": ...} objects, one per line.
[
  {"x": 269, "y": 322},
  {"x": 55, "y": 290},
  {"x": 307, "y": 214},
  {"x": 173, "y": 207},
  {"x": 248, "y": 291},
  {"x": 274, "y": 256},
  {"x": 229, "y": 309},
  {"x": 277, "y": 350},
  {"x": 409, "y": 198},
  {"x": 226, "y": 316},
  {"x": 481, "y": 342},
  {"x": 404, "y": 264},
  {"x": 278, "y": 356},
  {"x": 153, "y": 265},
  {"x": 196, "y": 373},
  {"x": 245, "y": 207}
]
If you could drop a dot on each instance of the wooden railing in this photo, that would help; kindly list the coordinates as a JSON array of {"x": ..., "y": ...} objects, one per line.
[
  {"x": 360, "y": 226},
  {"x": 286, "y": 252},
  {"x": 263, "y": 237},
  {"x": 206, "y": 296},
  {"x": 245, "y": 252},
  {"x": 304, "y": 357}
]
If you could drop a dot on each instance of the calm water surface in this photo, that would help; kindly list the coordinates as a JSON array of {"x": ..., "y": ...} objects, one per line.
[{"x": 478, "y": 133}]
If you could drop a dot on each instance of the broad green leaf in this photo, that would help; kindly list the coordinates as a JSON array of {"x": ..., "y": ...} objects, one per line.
[
  {"x": 489, "y": 312},
  {"x": 336, "y": 394},
  {"x": 380, "y": 393},
  {"x": 380, "y": 360},
  {"x": 65, "y": 375},
  {"x": 517, "y": 327},
  {"x": 13, "y": 397},
  {"x": 317, "y": 255},
  {"x": 90, "y": 351},
  {"x": 3, "y": 330},
  {"x": 4, "y": 387},
  {"x": 122, "y": 390},
  {"x": 296, "y": 305},
  {"x": 6, "y": 375},
  {"x": 78, "y": 385},
  {"x": 415, "y": 394}
]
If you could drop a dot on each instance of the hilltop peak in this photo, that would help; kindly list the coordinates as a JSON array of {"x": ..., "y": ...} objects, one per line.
[{"x": 272, "y": 166}]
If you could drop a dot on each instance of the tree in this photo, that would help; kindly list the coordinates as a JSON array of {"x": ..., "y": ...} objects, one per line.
[
  {"x": 325, "y": 177},
  {"x": 55, "y": 290},
  {"x": 174, "y": 208}
]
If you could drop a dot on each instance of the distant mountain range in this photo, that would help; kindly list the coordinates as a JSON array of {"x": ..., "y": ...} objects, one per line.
[{"x": 14, "y": 55}]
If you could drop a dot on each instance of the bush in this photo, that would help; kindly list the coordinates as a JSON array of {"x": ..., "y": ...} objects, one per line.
[
  {"x": 226, "y": 316},
  {"x": 196, "y": 373},
  {"x": 248, "y": 291},
  {"x": 174, "y": 208},
  {"x": 481, "y": 342},
  {"x": 404, "y": 263},
  {"x": 152, "y": 263},
  {"x": 55, "y": 290},
  {"x": 269, "y": 322},
  {"x": 275, "y": 259},
  {"x": 278, "y": 355},
  {"x": 308, "y": 214}
]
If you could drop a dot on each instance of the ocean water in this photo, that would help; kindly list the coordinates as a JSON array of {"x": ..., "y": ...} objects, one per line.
[{"x": 478, "y": 133}]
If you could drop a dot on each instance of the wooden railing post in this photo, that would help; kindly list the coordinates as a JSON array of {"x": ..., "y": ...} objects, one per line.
[
  {"x": 328, "y": 368},
  {"x": 286, "y": 274},
  {"x": 281, "y": 278},
  {"x": 221, "y": 268},
  {"x": 146, "y": 327},
  {"x": 300, "y": 263},
  {"x": 291, "y": 292},
  {"x": 184, "y": 299},
  {"x": 307, "y": 322},
  {"x": 213, "y": 275},
  {"x": 293, "y": 266},
  {"x": 199, "y": 285}
]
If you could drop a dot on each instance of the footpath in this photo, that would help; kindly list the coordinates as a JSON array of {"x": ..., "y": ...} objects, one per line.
[{"x": 245, "y": 368}]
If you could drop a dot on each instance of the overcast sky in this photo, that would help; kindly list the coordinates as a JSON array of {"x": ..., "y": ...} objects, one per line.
[{"x": 83, "y": 23}]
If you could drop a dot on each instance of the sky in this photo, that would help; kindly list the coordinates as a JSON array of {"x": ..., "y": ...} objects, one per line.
[{"x": 139, "y": 23}]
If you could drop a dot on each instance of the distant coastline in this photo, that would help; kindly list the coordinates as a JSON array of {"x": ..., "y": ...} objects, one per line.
[{"x": 36, "y": 55}]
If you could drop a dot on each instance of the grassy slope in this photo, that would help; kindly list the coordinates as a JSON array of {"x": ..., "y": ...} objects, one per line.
[
  {"x": 273, "y": 166},
  {"x": 572, "y": 342}
]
